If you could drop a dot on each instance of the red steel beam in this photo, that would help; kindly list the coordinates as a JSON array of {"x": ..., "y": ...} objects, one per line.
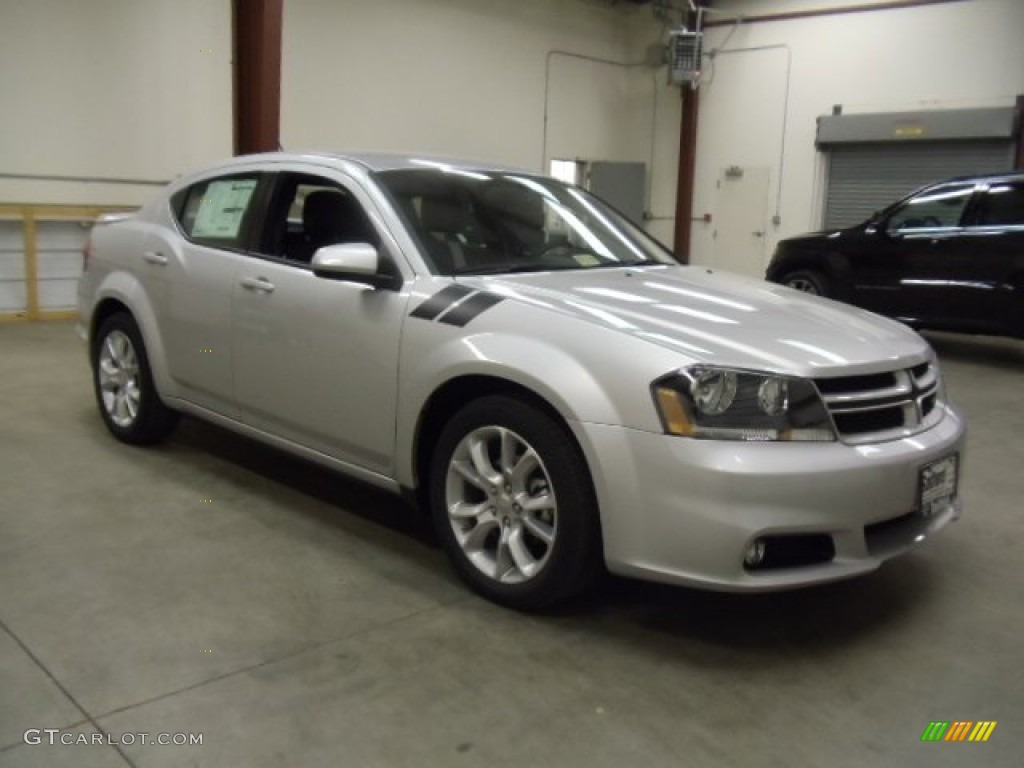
[
  {"x": 685, "y": 178},
  {"x": 256, "y": 30}
]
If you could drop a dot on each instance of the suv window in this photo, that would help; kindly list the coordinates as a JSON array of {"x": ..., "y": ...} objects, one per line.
[
  {"x": 215, "y": 211},
  {"x": 935, "y": 208},
  {"x": 1003, "y": 204},
  {"x": 309, "y": 212}
]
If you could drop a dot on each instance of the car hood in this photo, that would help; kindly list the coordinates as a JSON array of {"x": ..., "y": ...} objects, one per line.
[
  {"x": 721, "y": 318},
  {"x": 817, "y": 238}
]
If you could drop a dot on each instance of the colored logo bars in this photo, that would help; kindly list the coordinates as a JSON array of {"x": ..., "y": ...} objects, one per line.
[{"x": 958, "y": 730}]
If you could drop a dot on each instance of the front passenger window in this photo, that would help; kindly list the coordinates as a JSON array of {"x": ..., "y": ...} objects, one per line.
[
  {"x": 936, "y": 208},
  {"x": 310, "y": 212}
]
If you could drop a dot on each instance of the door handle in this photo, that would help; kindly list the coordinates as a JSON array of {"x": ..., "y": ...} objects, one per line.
[
  {"x": 260, "y": 284},
  {"x": 758, "y": 233},
  {"x": 154, "y": 257}
]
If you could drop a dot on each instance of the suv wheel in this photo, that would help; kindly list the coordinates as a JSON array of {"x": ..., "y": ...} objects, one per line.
[
  {"x": 807, "y": 282},
  {"x": 127, "y": 399},
  {"x": 514, "y": 505}
]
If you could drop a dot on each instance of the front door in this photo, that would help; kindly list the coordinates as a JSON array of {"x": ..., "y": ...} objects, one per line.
[
  {"x": 316, "y": 359},
  {"x": 898, "y": 274}
]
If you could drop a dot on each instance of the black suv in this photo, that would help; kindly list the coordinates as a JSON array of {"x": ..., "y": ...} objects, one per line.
[{"x": 950, "y": 256}]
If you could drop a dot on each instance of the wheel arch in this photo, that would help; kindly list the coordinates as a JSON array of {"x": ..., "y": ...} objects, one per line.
[
  {"x": 833, "y": 266},
  {"x": 105, "y": 308},
  {"x": 121, "y": 293},
  {"x": 447, "y": 399}
]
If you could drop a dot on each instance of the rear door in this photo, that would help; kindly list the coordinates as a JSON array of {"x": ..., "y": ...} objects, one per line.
[
  {"x": 316, "y": 359},
  {"x": 216, "y": 217},
  {"x": 989, "y": 261}
]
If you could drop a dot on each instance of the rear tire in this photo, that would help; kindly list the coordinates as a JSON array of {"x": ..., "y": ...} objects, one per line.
[
  {"x": 513, "y": 504},
  {"x": 807, "y": 281},
  {"x": 123, "y": 383}
]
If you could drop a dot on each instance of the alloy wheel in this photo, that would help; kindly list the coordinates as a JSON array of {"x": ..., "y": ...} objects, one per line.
[
  {"x": 501, "y": 504},
  {"x": 119, "y": 379}
]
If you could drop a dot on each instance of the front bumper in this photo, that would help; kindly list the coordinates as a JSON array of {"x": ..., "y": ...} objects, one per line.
[{"x": 685, "y": 511}]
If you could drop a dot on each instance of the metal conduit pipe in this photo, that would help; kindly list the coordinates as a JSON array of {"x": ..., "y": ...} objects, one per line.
[
  {"x": 83, "y": 179},
  {"x": 838, "y": 10}
]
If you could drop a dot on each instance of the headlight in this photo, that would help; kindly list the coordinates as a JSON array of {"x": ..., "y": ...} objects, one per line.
[{"x": 727, "y": 404}]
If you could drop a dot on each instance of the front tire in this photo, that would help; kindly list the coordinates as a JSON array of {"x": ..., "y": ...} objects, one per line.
[
  {"x": 514, "y": 505},
  {"x": 807, "y": 281},
  {"x": 123, "y": 382}
]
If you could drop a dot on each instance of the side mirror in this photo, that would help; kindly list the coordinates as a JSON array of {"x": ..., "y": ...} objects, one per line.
[
  {"x": 353, "y": 262},
  {"x": 885, "y": 228}
]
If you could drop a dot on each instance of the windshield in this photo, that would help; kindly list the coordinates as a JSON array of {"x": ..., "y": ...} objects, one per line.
[{"x": 490, "y": 222}]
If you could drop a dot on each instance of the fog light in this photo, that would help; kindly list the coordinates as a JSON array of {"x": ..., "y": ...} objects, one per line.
[{"x": 755, "y": 554}]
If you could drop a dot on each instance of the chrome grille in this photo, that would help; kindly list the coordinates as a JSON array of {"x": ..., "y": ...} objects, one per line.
[{"x": 883, "y": 406}]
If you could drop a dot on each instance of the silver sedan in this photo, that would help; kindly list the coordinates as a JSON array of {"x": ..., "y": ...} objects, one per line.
[{"x": 555, "y": 390}]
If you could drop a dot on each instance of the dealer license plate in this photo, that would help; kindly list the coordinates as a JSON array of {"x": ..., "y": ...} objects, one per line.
[{"x": 937, "y": 485}]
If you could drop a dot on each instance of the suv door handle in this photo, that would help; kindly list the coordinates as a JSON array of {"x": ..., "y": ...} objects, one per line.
[
  {"x": 260, "y": 284},
  {"x": 154, "y": 257}
]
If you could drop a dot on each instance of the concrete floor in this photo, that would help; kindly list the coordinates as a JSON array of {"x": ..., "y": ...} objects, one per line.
[{"x": 214, "y": 587}]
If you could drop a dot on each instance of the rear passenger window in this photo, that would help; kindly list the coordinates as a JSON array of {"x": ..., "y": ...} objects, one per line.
[
  {"x": 215, "y": 212},
  {"x": 1003, "y": 205}
]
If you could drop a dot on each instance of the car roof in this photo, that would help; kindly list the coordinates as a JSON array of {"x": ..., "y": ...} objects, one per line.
[
  {"x": 379, "y": 161},
  {"x": 1000, "y": 176}
]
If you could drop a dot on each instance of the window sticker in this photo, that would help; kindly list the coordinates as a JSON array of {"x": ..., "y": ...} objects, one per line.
[{"x": 222, "y": 207}]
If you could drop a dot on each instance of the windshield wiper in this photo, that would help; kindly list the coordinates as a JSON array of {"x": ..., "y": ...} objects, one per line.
[
  {"x": 508, "y": 269},
  {"x": 628, "y": 264}
]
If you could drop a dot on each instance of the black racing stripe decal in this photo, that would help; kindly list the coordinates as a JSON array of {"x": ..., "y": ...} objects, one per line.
[
  {"x": 470, "y": 308},
  {"x": 440, "y": 301}
]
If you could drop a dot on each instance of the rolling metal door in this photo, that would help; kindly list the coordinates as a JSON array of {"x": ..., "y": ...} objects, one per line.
[
  {"x": 13, "y": 292},
  {"x": 863, "y": 178},
  {"x": 59, "y": 249},
  {"x": 41, "y": 259}
]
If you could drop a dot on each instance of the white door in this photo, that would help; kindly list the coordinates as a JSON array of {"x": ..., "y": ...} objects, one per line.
[{"x": 740, "y": 220}]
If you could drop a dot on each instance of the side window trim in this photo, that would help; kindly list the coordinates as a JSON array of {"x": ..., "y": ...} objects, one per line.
[
  {"x": 972, "y": 211},
  {"x": 251, "y": 226}
]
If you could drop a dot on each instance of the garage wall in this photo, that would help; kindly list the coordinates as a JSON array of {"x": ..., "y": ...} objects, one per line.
[
  {"x": 467, "y": 78},
  {"x": 758, "y": 107},
  {"x": 137, "y": 89},
  {"x": 141, "y": 89}
]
